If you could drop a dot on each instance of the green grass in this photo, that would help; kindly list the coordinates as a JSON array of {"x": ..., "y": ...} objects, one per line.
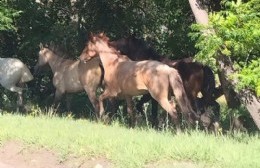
[{"x": 130, "y": 147}]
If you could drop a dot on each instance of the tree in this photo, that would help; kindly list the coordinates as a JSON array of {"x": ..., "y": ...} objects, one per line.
[
  {"x": 7, "y": 15},
  {"x": 7, "y": 26},
  {"x": 231, "y": 38}
]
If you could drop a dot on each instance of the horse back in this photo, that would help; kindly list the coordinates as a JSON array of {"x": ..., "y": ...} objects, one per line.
[
  {"x": 129, "y": 77},
  {"x": 147, "y": 73},
  {"x": 66, "y": 78}
]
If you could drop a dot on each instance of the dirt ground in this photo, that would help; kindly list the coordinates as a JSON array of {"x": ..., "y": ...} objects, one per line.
[{"x": 16, "y": 155}]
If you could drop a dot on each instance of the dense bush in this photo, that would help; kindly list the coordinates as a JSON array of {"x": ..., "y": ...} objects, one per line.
[{"x": 236, "y": 35}]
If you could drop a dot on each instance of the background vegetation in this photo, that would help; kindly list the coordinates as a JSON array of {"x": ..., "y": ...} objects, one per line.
[
  {"x": 165, "y": 24},
  {"x": 237, "y": 32}
]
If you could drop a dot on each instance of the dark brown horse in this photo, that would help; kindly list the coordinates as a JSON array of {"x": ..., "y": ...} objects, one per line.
[
  {"x": 196, "y": 76},
  {"x": 126, "y": 78}
]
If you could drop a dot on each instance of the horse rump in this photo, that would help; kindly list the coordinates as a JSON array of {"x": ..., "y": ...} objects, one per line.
[{"x": 26, "y": 75}]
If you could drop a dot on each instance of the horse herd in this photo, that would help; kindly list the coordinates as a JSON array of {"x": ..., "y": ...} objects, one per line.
[{"x": 125, "y": 68}]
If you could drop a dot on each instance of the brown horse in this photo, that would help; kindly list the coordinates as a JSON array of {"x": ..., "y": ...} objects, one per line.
[
  {"x": 71, "y": 76},
  {"x": 196, "y": 77},
  {"x": 126, "y": 78}
]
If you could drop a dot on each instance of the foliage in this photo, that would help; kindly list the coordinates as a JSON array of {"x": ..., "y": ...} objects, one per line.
[
  {"x": 250, "y": 76},
  {"x": 7, "y": 15},
  {"x": 7, "y": 26},
  {"x": 164, "y": 23},
  {"x": 236, "y": 32}
]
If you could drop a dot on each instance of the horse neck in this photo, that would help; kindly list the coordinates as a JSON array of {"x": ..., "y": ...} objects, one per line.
[
  {"x": 108, "y": 56},
  {"x": 54, "y": 61}
]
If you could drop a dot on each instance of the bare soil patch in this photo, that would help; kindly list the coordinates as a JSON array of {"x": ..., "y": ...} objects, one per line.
[
  {"x": 14, "y": 154},
  {"x": 17, "y": 155}
]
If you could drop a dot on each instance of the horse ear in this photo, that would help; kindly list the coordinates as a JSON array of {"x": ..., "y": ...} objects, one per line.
[
  {"x": 91, "y": 36},
  {"x": 102, "y": 34},
  {"x": 41, "y": 46},
  {"x": 94, "y": 38}
]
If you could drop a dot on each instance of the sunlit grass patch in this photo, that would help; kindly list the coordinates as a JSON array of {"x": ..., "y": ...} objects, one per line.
[{"x": 131, "y": 147}]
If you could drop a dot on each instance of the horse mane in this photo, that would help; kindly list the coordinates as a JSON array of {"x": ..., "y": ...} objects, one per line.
[
  {"x": 57, "y": 50},
  {"x": 103, "y": 38},
  {"x": 92, "y": 37},
  {"x": 143, "y": 47}
]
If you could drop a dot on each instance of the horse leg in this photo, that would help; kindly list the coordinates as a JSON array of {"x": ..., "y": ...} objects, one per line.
[
  {"x": 20, "y": 97},
  {"x": 130, "y": 110},
  {"x": 216, "y": 116},
  {"x": 19, "y": 101},
  {"x": 113, "y": 106},
  {"x": 68, "y": 101},
  {"x": 155, "y": 121},
  {"x": 93, "y": 99},
  {"x": 57, "y": 98},
  {"x": 171, "y": 110},
  {"x": 104, "y": 95}
]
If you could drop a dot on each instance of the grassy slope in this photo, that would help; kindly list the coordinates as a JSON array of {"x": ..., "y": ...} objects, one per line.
[{"x": 131, "y": 147}]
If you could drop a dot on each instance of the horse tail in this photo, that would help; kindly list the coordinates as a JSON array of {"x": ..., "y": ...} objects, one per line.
[
  {"x": 26, "y": 75},
  {"x": 182, "y": 99},
  {"x": 208, "y": 85}
]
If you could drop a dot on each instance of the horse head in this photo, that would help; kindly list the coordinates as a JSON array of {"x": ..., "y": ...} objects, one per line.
[
  {"x": 91, "y": 49},
  {"x": 42, "y": 58}
]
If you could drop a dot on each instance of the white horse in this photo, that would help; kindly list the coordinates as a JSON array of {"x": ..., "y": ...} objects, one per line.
[{"x": 13, "y": 74}]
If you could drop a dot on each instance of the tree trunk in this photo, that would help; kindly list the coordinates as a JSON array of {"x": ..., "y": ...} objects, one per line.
[
  {"x": 246, "y": 97},
  {"x": 199, "y": 10},
  {"x": 225, "y": 68}
]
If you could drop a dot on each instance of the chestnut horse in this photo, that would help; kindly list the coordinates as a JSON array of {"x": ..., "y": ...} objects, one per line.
[
  {"x": 196, "y": 77},
  {"x": 126, "y": 78},
  {"x": 71, "y": 76}
]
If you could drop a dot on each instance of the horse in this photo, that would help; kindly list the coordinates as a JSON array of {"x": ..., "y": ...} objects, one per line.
[
  {"x": 71, "y": 76},
  {"x": 125, "y": 78},
  {"x": 13, "y": 75},
  {"x": 196, "y": 76}
]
